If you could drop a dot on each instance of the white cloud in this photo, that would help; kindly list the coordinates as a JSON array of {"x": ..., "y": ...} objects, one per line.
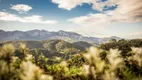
[
  {"x": 70, "y": 4},
  {"x": 21, "y": 8},
  {"x": 91, "y": 20},
  {"x": 67, "y": 4},
  {"x": 4, "y": 16},
  {"x": 127, "y": 11}
]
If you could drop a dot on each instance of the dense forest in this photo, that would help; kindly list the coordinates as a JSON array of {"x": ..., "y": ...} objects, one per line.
[{"x": 61, "y": 60}]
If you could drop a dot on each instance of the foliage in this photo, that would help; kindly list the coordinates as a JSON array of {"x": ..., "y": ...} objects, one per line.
[
  {"x": 94, "y": 64},
  {"x": 123, "y": 45}
]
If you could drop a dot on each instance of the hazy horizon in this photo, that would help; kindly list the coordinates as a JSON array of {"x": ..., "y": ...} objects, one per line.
[{"x": 97, "y": 18}]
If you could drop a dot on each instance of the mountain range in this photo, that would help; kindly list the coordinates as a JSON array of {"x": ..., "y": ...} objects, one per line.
[{"x": 37, "y": 35}]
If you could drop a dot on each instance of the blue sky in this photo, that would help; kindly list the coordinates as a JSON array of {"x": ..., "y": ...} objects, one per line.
[{"x": 100, "y": 18}]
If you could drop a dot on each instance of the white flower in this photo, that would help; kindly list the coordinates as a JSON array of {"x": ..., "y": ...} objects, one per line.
[
  {"x": 114, "y": 59},
  {"x": 137, "y": 50},
  {"x": 46, "y": 77},
  {"x": 86, "y": 69},
  {"x": 137, "y": 55},
  {"x": 30, "y": 71},
  {"x": 29, "y": 57},
  {"x": 63, "y": 64}
]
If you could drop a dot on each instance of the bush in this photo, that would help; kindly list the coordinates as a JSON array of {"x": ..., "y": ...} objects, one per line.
[{"x": 95, "y": 64}]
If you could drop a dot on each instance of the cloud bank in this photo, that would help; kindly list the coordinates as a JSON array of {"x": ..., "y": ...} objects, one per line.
[{"x": 5, "y": 16}]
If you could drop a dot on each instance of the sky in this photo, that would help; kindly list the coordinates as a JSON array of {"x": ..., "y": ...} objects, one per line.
[{"x": 98, "y": 18}]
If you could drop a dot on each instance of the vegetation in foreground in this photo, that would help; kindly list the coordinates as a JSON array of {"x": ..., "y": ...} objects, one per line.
[{"x": 94, "y": 64}]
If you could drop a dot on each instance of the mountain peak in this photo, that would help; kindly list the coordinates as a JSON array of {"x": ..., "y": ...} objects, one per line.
[
  {"x": 44, "y": 30},
  {"x": 114, "y": 37},
  {"x": 61, "y": 31},
  {"x": 2, "y": 30},
  {"x": 69, "y": 33}
]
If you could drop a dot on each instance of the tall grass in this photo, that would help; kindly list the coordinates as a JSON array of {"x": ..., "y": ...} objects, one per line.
[{"x": 98, "y": 64}]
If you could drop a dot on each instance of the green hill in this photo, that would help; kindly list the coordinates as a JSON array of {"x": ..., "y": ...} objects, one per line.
[{"x": 81, "y": 45}]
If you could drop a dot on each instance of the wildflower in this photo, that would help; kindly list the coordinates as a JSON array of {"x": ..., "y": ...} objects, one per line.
[
  {"x": 23, "y": 49},
  {"x": 7, "y": 72},
  {"x": 14, "y": 59},
  {"x": 3, "y": 68},
  {"x": 93, "y": 55},
  {"x": 22, "y": 45},
  {"x": 86, "y": 69},
  {"x": 63, "y": 64},
  {"x": 100, "y": 65},
  {"x": 94, "y": 52},
  {"x": 57, "y": 58},
  {"x": 96, "y": 66},
  {"x": 29, "y": 57},
  {"x": 30, "y": 71},
  {"x": 137, "y": 50},
  {"x": 114, "y": 59},
  {"x": 87, "y": 56},
  {"x": 110, "y": 76},
  {"x": 46, "y": 77},
  {"x": 9, "y": 48},
  {"x": 137, "y": 55},
  {"x": 7, "y": 51}
]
